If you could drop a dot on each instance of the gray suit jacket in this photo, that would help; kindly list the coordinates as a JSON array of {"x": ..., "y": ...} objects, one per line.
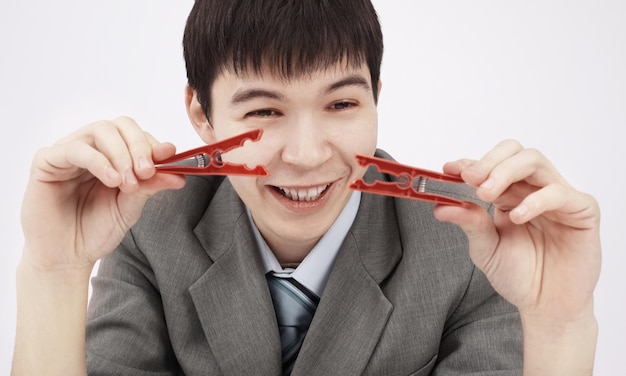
[{"x": 185, "y": 294}]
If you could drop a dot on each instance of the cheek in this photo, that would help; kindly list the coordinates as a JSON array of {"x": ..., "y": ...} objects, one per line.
[
  {"x": 364, "y": 144},
  {"x": 356, "y": 136},
  {"x": 251, "y": 153},
  {"x": 239, "y": 156},
  {"x": 359, "y": 137},
  {"x": 246, "y": 189},
  {"x": 370, "y": 140},
  {"x": 267, "y": 151}
]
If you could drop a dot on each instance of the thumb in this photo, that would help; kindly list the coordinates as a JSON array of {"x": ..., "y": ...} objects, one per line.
[{"x": 478, "y": 225}]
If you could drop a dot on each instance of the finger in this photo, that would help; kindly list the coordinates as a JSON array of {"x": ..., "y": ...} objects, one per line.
[
  {"x": 478, "y": 172},
  {"x": 160, "y": 150},
  {"x": 152, "y": 140},
  {"x": 558, "y": 203},
  {"x": 69, "y": 161},
  {"x": 479, "y": 228},
  {"x": 163, "y": 151},
  {"x": 139, "y": 145},
  {"x": 109, "y": 141},
  {"x": 456, "y": 167},
  {"x": 513, "y": 196},
  {"x": 528, "y": 166}
]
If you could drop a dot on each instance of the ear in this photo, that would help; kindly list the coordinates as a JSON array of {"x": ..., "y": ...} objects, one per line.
[
  {"x": 380, "y": 87},
  {"x": 197, "y": 116}
]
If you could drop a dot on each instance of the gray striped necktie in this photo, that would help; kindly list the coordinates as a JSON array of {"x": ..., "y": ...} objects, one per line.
[{"x": 294, "y": 305}]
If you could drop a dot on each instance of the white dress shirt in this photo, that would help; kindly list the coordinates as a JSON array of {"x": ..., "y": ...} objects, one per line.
[{"x": 314, "y": 270}]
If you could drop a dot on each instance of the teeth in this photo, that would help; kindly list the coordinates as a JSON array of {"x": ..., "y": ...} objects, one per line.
[{"x": 304, "y": 194}]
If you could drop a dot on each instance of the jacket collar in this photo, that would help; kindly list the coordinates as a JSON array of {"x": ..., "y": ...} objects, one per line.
[
  {"x": 234, "y": 304},
  {"x": 232, "y": 298},
  {"x": 353, "y": 309}
]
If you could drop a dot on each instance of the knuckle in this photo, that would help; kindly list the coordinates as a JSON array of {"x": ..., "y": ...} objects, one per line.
[
  {"x": 101, "y": 129},
  {"x": 511, "y": 144},
  {"x": 101, "y": 124},
  {"x": 39, "y": 161},
  {"x": 124, "y": 120},
  {"x": 535, "y": 154},
  {"x": 139, "y": 144}
]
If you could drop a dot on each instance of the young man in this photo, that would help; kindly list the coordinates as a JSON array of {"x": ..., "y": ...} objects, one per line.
[{"x": 186, "y": 284}]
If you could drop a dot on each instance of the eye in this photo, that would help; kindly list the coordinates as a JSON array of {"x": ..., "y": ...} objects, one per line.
[
  {"x": 264, "y": 113},
  {"x": 342, "y": 105}
]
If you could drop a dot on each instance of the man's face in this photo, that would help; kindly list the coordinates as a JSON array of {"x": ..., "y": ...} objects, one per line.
[{"x": 312, "y": 128}]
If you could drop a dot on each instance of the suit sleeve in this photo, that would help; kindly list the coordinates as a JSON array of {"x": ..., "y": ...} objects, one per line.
[
  {"x": 126, "y": 329},
  {"x": 483, "y": 336}
]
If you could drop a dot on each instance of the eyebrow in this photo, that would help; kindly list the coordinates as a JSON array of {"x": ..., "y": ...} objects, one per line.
[
  {"x": 352, "y": 80},
  {"x": 245, "y": 95}
]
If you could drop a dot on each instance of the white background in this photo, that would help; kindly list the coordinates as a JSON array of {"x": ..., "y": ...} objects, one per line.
[{"x": 459, "y": 76}]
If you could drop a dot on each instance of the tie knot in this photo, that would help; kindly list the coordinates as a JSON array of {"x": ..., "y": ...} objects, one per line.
[{"x": 295, "y": 306}]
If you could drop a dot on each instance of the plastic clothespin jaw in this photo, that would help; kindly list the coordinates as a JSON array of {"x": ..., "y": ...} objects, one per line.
[
  {"x": 206, "y": 160},
  {"x": 408, "y": 176}
]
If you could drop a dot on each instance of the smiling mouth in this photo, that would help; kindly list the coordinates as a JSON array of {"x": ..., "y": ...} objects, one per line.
[{"x": 303, "y": 194}]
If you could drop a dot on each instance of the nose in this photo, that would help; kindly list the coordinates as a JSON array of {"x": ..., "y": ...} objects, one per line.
[{"x": 307, "y": 144}]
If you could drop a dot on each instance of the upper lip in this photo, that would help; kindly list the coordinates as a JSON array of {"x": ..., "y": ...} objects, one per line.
[{"x": 307, "y": 186}]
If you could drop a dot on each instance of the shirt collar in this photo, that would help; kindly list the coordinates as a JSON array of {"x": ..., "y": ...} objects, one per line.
[{"x": 314, "y": 270}]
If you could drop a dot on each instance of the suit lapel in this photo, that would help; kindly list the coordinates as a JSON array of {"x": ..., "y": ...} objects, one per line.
[
  {"x": 232, "y": 298},
  {"x": 353, "y": 310},
  {"x": 234, "y": 305}
]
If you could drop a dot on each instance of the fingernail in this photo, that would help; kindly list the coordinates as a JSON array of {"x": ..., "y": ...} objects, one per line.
[
  {"x": 111, "y": 173},
  {"x": 473, "y": 169},
  {"x": 488, "y": 184},
  {"x": 144, "y": 163},
  {"x": 129, "y": 177},
  {"x": 521, "y": 210}
]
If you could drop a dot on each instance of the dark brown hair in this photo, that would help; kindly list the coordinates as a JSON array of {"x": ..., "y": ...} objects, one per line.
[{"x": 290, "y": 37}]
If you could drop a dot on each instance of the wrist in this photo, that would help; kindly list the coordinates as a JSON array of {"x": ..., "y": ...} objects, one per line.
[
  {"x": 560, "y": 324},
  {"x": 55, "y": 268},
  {"x": 559, "y": 346},
  {"x": 51, "y": 318}
]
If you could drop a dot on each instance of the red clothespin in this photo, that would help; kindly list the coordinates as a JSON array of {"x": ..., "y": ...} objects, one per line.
[
  {"x": 408, "y": 176},
  {"x": 206, "y": 160}
]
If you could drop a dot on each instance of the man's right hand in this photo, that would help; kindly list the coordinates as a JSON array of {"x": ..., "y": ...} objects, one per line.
[
  {"x": 83, "y": 195},
  {"x": 87, "y": 190}
]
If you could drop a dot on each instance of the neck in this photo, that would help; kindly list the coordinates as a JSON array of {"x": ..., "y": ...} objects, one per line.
[
  {"x": 292, "y": 265},
  {"x": 290, "y": 253}
]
